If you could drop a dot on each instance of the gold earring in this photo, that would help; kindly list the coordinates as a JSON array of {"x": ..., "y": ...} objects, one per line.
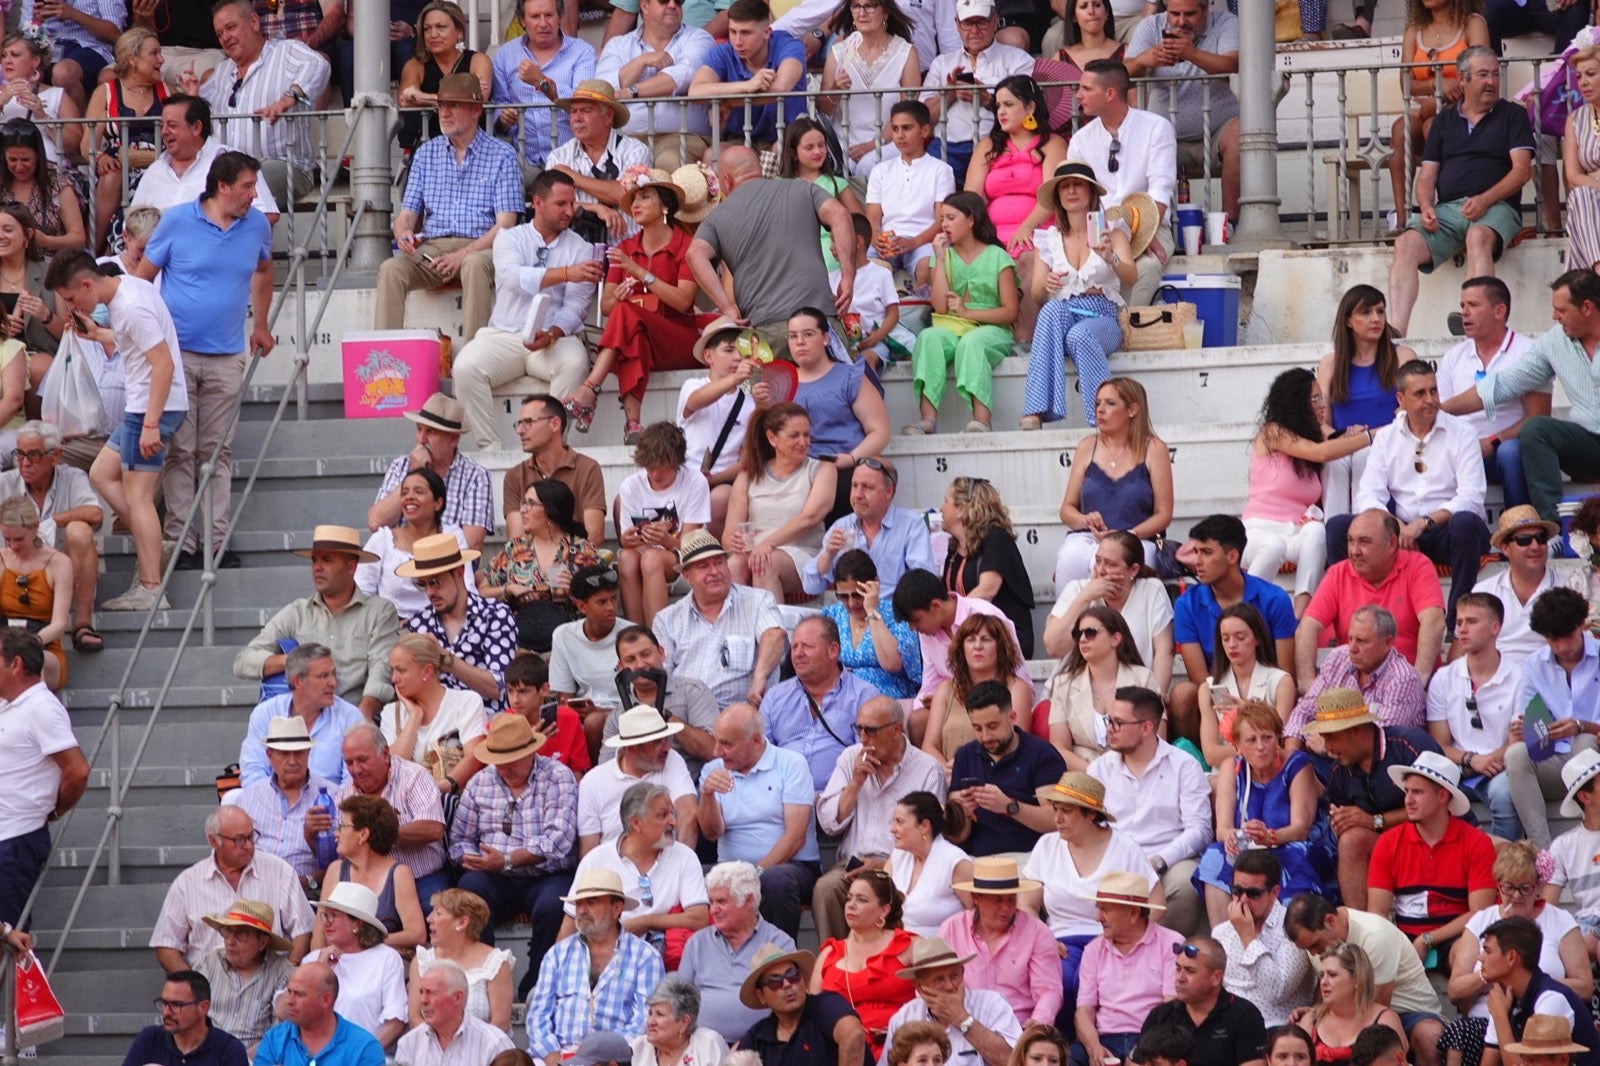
[{"x": 1030, "y": 123}]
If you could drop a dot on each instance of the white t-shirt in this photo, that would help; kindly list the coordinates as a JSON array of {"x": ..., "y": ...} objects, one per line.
[
  {"x": 380, "y": 579},
  {"x": 1577, "y": 854},
  {"x": 372, "y": 986},
  {"x": 1147, "y": 612},
  {"x": 140, "y": 321},
  {"x": 1553, "y": 922},
  {"x": 460, "y": 712},
  {"x": 908, "y": 192},
  {"x": 687, "y": 501},
  {"x": 874, "y": 293},
  {"x": 33, "y": 728},
  {"x": 701, "y": 429},
  {"x": 675, "y": 880},
  {"x": 600, "y": 793},
  {"x": 1068, "y": 912},
  {"x": 584, "y": 667}
]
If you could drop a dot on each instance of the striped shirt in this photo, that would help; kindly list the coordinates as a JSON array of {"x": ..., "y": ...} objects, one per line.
[
  {"x": 1552, "y": 355},
  {"x": 280, "y": 65},
  {"x": 1431, "y": 883},
  {"x": 564, "y": 1008},
  {"x": 242, "y": 1004},
  {"x": 202, "y": 889},
  {"x": 414, "y": 795},
  {"x": 462, "y": 199},
  {"x": 468, "y": 495},
  {"x": 721, "y": 653},
  {"x": 474, "y": 1043},
  {"x": 281, "y": 823},
  {"x": 543, "y": 820},
  {"x": 573, "y": 62}
]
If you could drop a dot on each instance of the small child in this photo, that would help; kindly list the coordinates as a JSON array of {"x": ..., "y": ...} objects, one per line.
[
  {"x": 902, "y": 193},
  {"x": 706, "y": 405},
  {"x": 656, "y": 505},
  {"x": 875, "y": 303}
]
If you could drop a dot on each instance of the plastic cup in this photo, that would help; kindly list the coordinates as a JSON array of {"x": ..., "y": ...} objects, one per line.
[
  {"x": 1194, "y": 334},
  {"x": 747, "y": 535},
  {"x": 1191, "y": 239},
  {"x": 1217, "y": 227}
]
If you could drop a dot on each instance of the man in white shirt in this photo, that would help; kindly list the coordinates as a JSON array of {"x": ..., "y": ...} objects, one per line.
[
  {"x": 980, "y": 1024},
  {"x": 542, "y": 257},
  {"x": 905, "y": 190},
  {"x": 643, "y": 754},
  {"x": 1131, "y": 150},
  {"x": 178, "y": 176},
  {"x": 653, "y": 66},
  {"x": 1425, "y": 468},
  {"x": 1263, "y": 965},
  {"x": 952, "y": 77},
  {"x": 448, "y": 1035},
  {"x": 1159, "y": 797},
  {"x": 597, "y": 155},
  {"x": 1492, "y": 346},
  {"x": 1524, "y": 539}
]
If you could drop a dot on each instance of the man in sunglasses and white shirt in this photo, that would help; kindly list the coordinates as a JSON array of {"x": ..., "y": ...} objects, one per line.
[
  {"x": 1264, "y": 966},
  {"x": 1524, "y": 539}
]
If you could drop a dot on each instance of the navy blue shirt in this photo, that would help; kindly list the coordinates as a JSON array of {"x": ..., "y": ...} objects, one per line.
[
  {"x": 1583, "y": 1030},
  {"x": 1033, "y": 764},
  {"x": 1194, "y": 616},
  {"x": 1350, "y": 786},
  {"x": 1472, "y": 161},
  {"x": 155, "y": 1044},
  {"x": 812, "y": 1041}
]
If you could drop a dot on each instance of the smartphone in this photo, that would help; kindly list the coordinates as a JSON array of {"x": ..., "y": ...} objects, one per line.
[
  {"x": 547, "y": 711},
  {"x": 966, "y": 77},
  {"x": 9, "y": 301},
  {"x": 1220, "y": 694},
  {"x": 640, "y": 520},
  {"x": 81, "y": 324}
]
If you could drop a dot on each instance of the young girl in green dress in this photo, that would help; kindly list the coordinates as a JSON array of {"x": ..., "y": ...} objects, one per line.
[{"x": 975, "y": 303}]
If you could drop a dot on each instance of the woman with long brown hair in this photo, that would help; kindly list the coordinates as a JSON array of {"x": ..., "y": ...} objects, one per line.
[
  {"x": 1102, "y": 659},
  {"x": 981, "y": 649},
  {"x": 775, "y": 514},
  {"x": 1358, "y": 378}
]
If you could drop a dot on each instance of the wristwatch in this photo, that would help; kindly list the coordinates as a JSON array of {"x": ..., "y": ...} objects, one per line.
[
  {"x": 633, "y": 92},
  {"x": 1013, "y": 807},
  {"x": 507, "y": 866},
  {"x": 1377, "y": 822},
  {"x": 649, "y": 278},
  {"x": 1160, "y": 866},
  {"x": 964, "y": 1026}
]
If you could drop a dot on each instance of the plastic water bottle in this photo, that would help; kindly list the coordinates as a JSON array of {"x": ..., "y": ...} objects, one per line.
[{"x": 327, "y": 848}]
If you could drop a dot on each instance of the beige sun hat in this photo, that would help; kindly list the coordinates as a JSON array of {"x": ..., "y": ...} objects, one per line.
[
  {"x": 1439, "y": 770},
  {"x": 342, "y": 539},
  {"x": 1077, "y": 789},
  {"x": 996, "y": 875},
  {"x": 695, "y": 204},
  {"x": 508, "y": 739},
  {"x": 435, "y": 554},
  {"x": 1514, "y": 520},
  {"x": 597, "y": 91},
  {"x": 1546, "y": 1034},
  {"x": 356, "y": 900},
  {"x": 766, "y": 957},
  {"x": 930, "y": 953},
  {"x": 1143, "y": 216},
  {"x": 1339, "y": 709},
  {"x": 642, "y": 724},
  {"x": 288, "y": 733},
  {"x": 1124, "y": 889},
  {"x": 598, "y": 881},
  {"x": 655, "y": 179}
]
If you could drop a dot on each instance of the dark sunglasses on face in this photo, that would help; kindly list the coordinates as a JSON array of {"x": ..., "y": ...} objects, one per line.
[
  {"x": 1086, "y": 631},
  {"x": 1249, "y": 893},
  {"x": 774, "y": 981},
  {"x": 1523, "y": 540}
]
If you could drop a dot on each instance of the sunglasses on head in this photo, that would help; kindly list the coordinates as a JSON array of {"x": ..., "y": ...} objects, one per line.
[
  {"x": 1188, "y": 951},
  {"x": 883, "y": 468},
  {"x": 595, "y": 582}
]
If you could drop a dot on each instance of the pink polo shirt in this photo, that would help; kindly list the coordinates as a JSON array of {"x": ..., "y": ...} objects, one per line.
[
  {"x": 1411, "y": 586},
  {"x": 1025, "y": 969},
  {"x": 1126, "y": 988}
]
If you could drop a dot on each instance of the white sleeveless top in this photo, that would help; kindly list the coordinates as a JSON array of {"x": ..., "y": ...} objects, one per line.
[
  {"x": 1095, "y": 273},
  {"x": 931, "y": 901},
  {"x": 864, "y": 113}
]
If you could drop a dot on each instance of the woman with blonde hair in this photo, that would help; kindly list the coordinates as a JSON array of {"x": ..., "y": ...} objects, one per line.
[
  {"x": 35, "y": 584},
  {"x": 1039, "y": 1045},
  {"x": 1580, "y": 158},
  {"x": 440, "y": 43},
  {"x": 455, "y": 922},
  {"x": 983, "y": 561},
  {"x": 782, "y": 493},
  {"x": 130, "y": 103},
  {"x": 1349, "y": 1004},
  {"x": 425, "y": 714},
  {"x": 981, "y": 649}
]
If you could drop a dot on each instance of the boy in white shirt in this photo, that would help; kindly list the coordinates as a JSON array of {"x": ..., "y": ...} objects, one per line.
[
  {"x": 706, "y": 405},
  {"x": 656, "y": 506},
  {"x": 1577, "y": 851},
  {"x": 874, "y": 306},
  {"x": 902, "y": 194}
]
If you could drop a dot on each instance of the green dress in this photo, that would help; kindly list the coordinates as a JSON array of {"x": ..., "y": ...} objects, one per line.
[
  {"x": 979, "y": 350},
  {"x": 831, "y": 184}
]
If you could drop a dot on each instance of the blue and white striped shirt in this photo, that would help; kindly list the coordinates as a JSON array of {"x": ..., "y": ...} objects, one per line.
[{"x": 563, "y": 1009}]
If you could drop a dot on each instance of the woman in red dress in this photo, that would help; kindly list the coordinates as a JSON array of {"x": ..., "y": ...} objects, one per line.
[{"x": 863, "y": 967}]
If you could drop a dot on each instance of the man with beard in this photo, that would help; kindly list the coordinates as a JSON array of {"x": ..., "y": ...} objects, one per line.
[
  {"x": 185, "y": 1030},
  {"x": 643, "y": 754},
  {"x": 479, "y": 636}
]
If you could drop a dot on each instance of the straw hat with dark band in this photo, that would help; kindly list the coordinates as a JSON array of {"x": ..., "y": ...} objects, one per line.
[
  {"x": 1071, "y": 170},
  {"x": 767, "y": 957},
  {"x": 435, "y": 554},
  {"x": 993, "y": 875},
  {"x": 1520, "y": 519},
  {"x": 341, "y": 539},
  {"x": 931, "y": 953},
  {"x": 442, "y": 412},
  {"x": 508, "y": 739},
  {"x": 1126, "y": 890}
]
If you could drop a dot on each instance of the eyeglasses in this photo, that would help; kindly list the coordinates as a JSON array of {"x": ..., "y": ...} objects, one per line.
[
  {"x": 872, "y": 730},
  {"x": 647, "y": 898},
  {"x": 1112, "y": 165},
  {"x": 427, "y": 584},
  {"x": 506, "y": 820},
  {"x": 22, "y": 585},
  {"x": 1416, "y": 461},
  {"x": 1078, "y": 633},
  {"x": 1248, "y": 893},
  {"x": 1118, "y": 723},
  {"x": 173, "y": 1004},
  {"x": 1476, "y": 721},
  {"x": 530, "y": 505},
  {"x": 524, "y": 423},
  {"x": 1526, "y": 889},
  {"x": 346, "y": 825},
  {"x": 242, "y": 839},
  {"x": 1521, "y": 540},
  {"x": 31, "y": 456},
  {"x": 1188, "y": 951},
  {"x": 774, "y": 981},
  {"x": 881, "y": 467}
]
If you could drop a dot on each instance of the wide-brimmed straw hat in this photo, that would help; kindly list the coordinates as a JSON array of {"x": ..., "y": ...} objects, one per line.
[
  {"x": 1514, "y": 520},
  {"x": 994, "y": 875},
  {"x": 766, "y": 957},
  {"x": 461, "y": 88},
  {"x": 437, "y": 553},
  {"x": 695, "y": 204},
  {"x": 1546, "y": 1034},
  {"x": 930, "y": 953},
  {"x": 439, "y": 411},
  {"x": 288, "y": 733},
  {"x": 598, "y": 881},
  {"x": 655, "y": 179},
  {"x": 698, "y": 545},
  {"x": 596, "y": 91},
  {"x": 1578, "y": 771},
  {"x": 1143, "y": 217},
  {"x": 1124, "y": 889},
  {"x": 1339, "y": 709},
  {"x": 356, "y": 900},
  {"x": 249, "y": 914},
  {"x": 1077, "y": 789},
  {"x": 1072, "y": 169},
  {"x": 341, "y": 539},
  {"x": 642, "y": 724},
  {"x": 508, "y": 739},
  {"x": 1439, "y": 770},
  {"x": 751, "y": 344}
]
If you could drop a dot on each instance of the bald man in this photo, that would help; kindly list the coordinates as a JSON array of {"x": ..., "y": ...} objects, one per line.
[{"x": 313, "y": 1030}]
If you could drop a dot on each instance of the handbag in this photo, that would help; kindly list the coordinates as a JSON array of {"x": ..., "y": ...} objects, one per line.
[
  {"x": 537, "y": 621},
  {"x": 1174, "y": 560},
  {"x": 958, "y": 325},
  {"x": 1155, "y": 328},
  {"x": 40, "y": 1018}
]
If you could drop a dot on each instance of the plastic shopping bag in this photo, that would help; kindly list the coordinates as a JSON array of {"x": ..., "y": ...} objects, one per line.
[
  {"x": 40, "y": 1018},
  {"x": 69, "y": 396}
]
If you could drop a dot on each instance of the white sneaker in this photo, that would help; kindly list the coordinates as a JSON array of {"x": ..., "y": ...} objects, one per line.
[{"x": 137, "y": 598}]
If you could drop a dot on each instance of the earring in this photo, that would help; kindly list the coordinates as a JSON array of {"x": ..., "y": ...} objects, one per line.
[{"x": 1030, "y": 123}]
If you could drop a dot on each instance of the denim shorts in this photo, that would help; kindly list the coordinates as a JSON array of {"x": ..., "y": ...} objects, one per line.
[{"x": 125, "y": 439}]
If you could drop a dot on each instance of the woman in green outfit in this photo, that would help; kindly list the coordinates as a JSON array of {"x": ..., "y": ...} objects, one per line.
[{"x": 975, "y": 301}]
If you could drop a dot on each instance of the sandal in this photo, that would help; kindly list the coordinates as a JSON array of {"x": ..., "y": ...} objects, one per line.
[
  {"x": 630, "y": 433},
  {"x": 582, "y": 414},
  {"x": 975, "y": 426},
  {"x": 922, "y": 427},
  {"x": 87, "y": 639},
  {"x": 1030, "y": 423}
]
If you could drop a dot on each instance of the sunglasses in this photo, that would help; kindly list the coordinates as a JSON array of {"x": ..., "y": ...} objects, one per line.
[
  {"x": 1078, "y": 633},
  {"x": 1189, "y": 951},
  {"x": 1521, "y": 540},
  {"x": 424, "y": 584},
  {"x": 1248, "y": 893},
  {"x": 1416, "y": 460},
  {"x": 233, "y": 95},
  {"x": 872, "y": 730},
  {"x": 22, "y": 585},
  {"x": 772, "y": 982},
  {"x": 507, "y": 819},
  {"x": 881, "y": 467},
  {"x": 1476, "y": 721},
  {"x": 855, "y": 595},
  {"x": 1112, "y": 165},
  {"x": 647, "y": 897},
  {"x": 596, "y": 582}
]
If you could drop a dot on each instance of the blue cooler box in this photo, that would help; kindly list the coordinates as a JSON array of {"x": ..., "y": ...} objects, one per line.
[{"x": 1216, "y": 301}]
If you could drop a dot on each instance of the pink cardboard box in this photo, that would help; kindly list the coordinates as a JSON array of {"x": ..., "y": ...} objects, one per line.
[{"x": 389, "y": 371}]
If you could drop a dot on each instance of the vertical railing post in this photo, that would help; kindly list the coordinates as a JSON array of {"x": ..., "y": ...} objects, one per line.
[{"x": 1259, "y": 225}]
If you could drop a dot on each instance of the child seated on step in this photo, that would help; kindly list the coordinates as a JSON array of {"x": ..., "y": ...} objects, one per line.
[
  {"x": 713, "y": 411},
  {"x": 903, "y": 192},
  {"x": 874, "y": 307}
]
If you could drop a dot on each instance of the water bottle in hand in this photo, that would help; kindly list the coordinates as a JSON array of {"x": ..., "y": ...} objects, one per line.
[{"x": 327, "y": 848}]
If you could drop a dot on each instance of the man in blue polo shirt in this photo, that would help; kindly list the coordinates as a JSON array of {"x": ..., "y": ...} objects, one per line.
[
  {"x": 757, "y": 63},
  {"x": 314, "y": 1033},
  {"x": 215, "y": 260},
  {"x": 996, "y": 778},
  {"x": 1219, "y": 543}
]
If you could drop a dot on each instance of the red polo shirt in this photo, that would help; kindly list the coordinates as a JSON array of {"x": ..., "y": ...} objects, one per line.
[
  {"x": 1411, "y": 586},
  {"x": 1430, "y": 884}
]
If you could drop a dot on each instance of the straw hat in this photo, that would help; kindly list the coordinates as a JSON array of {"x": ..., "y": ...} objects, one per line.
[
  {"x": 1126, "y": 890},
  {"x": 1578, "y": 771},
  {"x": 356, "y": 900},
  {"x": 508, "y": 739},
  {"x": 695, "y": 203},
  {"x": 720, "y": 324},
  {"x": 750, "y": 343},
  {"x": 435, "y": 554},
  {"x": 1339, "y": 709},
  {"x": 442, "y": 412},
  {"x": 642, "y": 725},
  {"x": 993, "y": 875},
  {"x": 597, "y": 91},
  {"x": 1077, "y": 789},
  {"x": 1068, "y": 171},
  {"x": 1546, "y": 1034},
  {"x": 766, "y": 957},
  {"x": 1514, "y": 520},
  {"x": 459, "y": 89},
  {"x": 249, "y": 914},
  {"x": 697, "y": 546},
  {"x": 1440, "y": 771},
  {"x": 288, "y": 733},
  {"x": 1143, "y": 216},
  {"x": 598, "y": 881},
  {"x": 930, "y": 953},
  {"x": 340, "y": 539},
  {"x": 656, "y": 179}
]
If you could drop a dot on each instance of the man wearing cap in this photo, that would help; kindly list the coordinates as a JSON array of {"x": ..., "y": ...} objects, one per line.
[
  {"x": 479, "y": 635},
  {"x": 1314, "y": 925},
  {"x": 717, "y": 957},
  {"x": 1370, "y": 663},
  {"x": 857, "y": 802},
  {"x": 949, "y": 88},
  {"x": 602, "y": 1048},
  {"x": 1523, "y": 1000},
  {"x": 1524, "y": 539},
  {"x": 802, "y": 1030},
  {"x": 756, "y": 803},
  {"x": 599, "y": 979},
  {"x": 1226, "y": 1028},
  {"x": 1576, "y": 870},
  {"x": 1471, "y": 702},
  {"x": 1132, "y": 151},
  {"x": 641, "y": 673},
  {"x": 186, "y": 1034},
  {"x": 895, "y": 537},
  {"x": 278, "y": 803},
  {"x": 544, "y": 257},
  {"x": 655, "y": 62},
  {"x": 1009, "y": 950},
  {"x": 514, "y": 831},
  {"x": 1263, "y": 965},
  {"x": 359, "y": 629},
  {"x": 978, "y": 1023},
  {"x": 448, "y": 1035},
  {"x": 814, "y": 712},
  {"x": 465, "y": 188},
  {"x": 232, "y": 871},
  {"x": 729, "y": 636},
  {"x": 597, "y": 154},
  {"x": 541, "y": 429},
  {"x": 408, "y": 787},
  {"x": 313, "y": 697},
  {"x": 313, "y": 1031},
  {"x": 250, "y": 968},
  {"x": 468, "y": 496},
  {"x": 1126, "y": 972},
  {"x": 643, "y": 753}
]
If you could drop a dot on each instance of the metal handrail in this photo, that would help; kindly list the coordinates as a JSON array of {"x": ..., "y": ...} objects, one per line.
[
  {"x": 202, "y": 609},
  {"x": 8, "y": 1005}
]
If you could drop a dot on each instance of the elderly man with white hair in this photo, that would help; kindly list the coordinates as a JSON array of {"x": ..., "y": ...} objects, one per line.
[
  {"x": 69, "y": 513},
  {"x": 448, "y": 1035},
  {"x": 717, "y": 958}
]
